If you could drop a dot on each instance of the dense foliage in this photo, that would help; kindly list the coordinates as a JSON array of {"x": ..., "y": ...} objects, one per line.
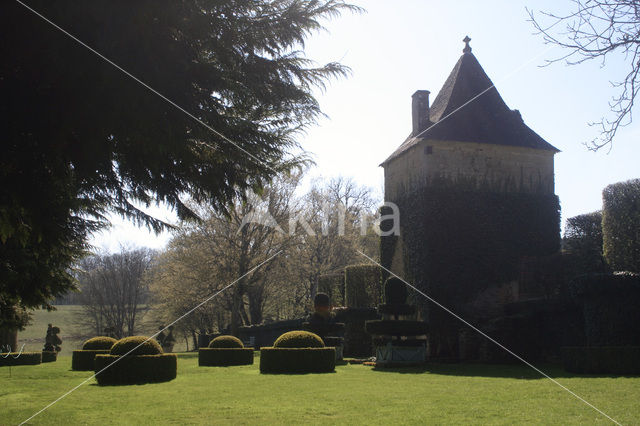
[
  {"x": 395, "y": 291},
  {"x": 621, "y": 225},
  {"x": 82, "y": 139},
  {"x": 458, "y": 240},
  {"x": 363, "y": 285},
  {"x": 583, "y": 240},
  {"x": 297, "y": 360},
  {"x": 226, "y": 342},
  {"x": 129, "y": 370},
  {"x": 49, "y": 356},
  {"x": 136, "y": 345},
  {"x": 610, "y": 308},
  {"x": 298, "y": 339},
  {"x": 98, "y": 342},
  {"x": 83, "y": 360},
  {"x": 220, "y": 357}
]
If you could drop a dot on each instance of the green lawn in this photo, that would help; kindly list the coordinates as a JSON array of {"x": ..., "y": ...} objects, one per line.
[{"x": 439, "y": 393}]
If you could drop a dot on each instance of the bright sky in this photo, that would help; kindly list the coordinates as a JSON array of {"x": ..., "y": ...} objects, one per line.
[{"x": 396, "y": 48}]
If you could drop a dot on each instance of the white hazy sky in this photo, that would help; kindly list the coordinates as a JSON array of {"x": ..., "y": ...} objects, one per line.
[{"x": 398, "y": 47}]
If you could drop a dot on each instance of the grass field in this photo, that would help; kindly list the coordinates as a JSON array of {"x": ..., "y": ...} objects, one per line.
[
  {"x": 73, "y": 331},
  {"x": 439, "y": 393}
]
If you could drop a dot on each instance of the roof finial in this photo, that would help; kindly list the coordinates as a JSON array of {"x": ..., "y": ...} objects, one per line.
[{"x": 467, "y": 48}]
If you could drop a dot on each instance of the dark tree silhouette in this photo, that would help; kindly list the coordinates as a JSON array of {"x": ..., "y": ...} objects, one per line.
[
  {"x": 598, "y": 29},
  {"x": 80, "y": 138}
]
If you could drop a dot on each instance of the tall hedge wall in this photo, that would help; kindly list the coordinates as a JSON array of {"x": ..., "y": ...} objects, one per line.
[
  {"x": 457, "y": 241},
  {"x": 363, "y": 286},
  {"x": 621, "y": 225}
]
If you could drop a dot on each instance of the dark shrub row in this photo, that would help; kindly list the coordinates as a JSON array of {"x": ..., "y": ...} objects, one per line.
[
  {"x": 49, "y": 356},
  {"x": 136, "y": 369},
  {"x": 297, "y": 360},
  {"x": 602, "y": 360},
  {"x": 219, "y": 357},
  {"x": 399, "y": 327},
  {"x": 621, "y": 225},
  {"x": 24, "y": 358},
  {"x": 82, "y": 360}
]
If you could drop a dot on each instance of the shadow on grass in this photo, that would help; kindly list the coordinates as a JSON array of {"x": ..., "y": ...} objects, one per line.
[{"x": 511, "y": 371}]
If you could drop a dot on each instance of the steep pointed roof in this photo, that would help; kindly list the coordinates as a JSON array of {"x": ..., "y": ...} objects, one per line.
[{"x": 469, "y": 108}]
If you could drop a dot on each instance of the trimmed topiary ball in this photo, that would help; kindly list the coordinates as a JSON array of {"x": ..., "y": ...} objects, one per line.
[
  {"x": 98, "y": 343},
  {"x": 299, "y": 339},
  {"x": 395, "y": 291},
  {"x": 321, "y": 300},
  {"x": 226, "y": 342},
  {"x": 146, "y": 345}
]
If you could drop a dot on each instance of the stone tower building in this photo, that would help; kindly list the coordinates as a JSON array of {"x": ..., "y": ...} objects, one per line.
[{"x": 475, "y": 188}]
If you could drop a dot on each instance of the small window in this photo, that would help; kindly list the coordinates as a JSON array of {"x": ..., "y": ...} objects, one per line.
[{"x": 428, "y": 150}]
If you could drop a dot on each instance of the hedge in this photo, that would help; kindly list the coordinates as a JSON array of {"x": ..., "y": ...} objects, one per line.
[
  {"x": 98, "y": 342},
  {"x": 396, "y": 328},
  {"x": 621, "y": 225},
  {"x": 298, "y": 339},
  {"x": 333, "y": 341},
  {"x": 297, "y": 360},
  {"x": 24, "y": 358},
  {"x": 82, "y": 360},
  {"x": 135, "y": 369},
  {"x": 140, "y": 345},
  {"x": 220, "y": 357},
  {"x": 229, "y": 342},
  {"x": 49, "y": 356},
  {"x": 609, "y": 307},
  {"x": 602, "y": 360},
  {"x": 363, "y": 285}
]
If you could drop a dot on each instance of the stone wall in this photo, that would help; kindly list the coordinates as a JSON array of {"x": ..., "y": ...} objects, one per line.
[{"x": 498, "y": 167}]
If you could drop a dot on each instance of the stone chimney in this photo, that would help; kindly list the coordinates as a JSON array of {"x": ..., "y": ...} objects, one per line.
[{"x": 420, "y": 111}]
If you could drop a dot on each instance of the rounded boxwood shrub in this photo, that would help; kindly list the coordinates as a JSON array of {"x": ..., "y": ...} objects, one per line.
[
  {"x": 17, "y": 358},
  {"x": 140, "y": 345},
  {"x": 135, "y": 369},
  {"x": 297, "y": 360},
  {"x": 98, "y": 343},
  {"x": 299, "y": 339},
  {"x": 226, "y": 342}
]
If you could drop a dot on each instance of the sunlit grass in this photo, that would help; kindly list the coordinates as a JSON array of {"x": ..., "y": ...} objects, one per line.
[{"x": 439, "y": 393}]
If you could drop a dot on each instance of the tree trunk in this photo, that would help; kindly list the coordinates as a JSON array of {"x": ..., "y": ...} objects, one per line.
[{"x": 8, "y": 339}]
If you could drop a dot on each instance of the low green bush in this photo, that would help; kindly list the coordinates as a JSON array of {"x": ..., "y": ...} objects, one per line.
[
  {"x": 602, "y": 359},
  {"x": 49, "y": 356},
  {"x": 82, "y": 360},
  {"x": 333, "y": 341},
  {"x": 135, "y": 369},
  {"x": 98, "y": 343},
  {"x": 226, "y": 342},
  {"x": 220, "y": 357},
  {"x": 297, "y": 360},
  {"x": 298, "y": 339},
  {"x": 140, "y": 345},
  {"x": 17, "y": 358}
]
